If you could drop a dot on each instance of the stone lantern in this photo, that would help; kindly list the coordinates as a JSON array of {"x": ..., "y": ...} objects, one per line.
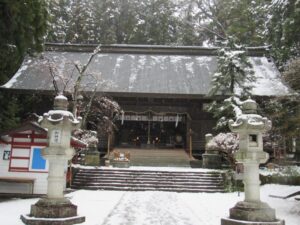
[
  {"x": 55, "y": 207},
  {"x": 250, "y": 126}
]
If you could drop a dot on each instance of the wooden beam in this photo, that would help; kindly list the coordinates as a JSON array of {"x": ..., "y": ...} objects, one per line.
[{"x": 29, "y": 136}]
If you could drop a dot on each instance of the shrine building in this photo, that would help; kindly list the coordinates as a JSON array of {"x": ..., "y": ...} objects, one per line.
[{"x": 163, "y": 90}]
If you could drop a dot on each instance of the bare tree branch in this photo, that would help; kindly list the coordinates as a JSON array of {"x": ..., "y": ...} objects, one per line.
[
  {"x": 53, "y": 77},
  {"x": 81, "y": 72},
  {"x": 67, "y": 82},
  {"x": 88, "y": 107}
]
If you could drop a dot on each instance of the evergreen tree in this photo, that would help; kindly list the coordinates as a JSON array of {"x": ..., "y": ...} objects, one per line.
[
  {"x": 284, "y": 113},
  {"x": 81, "y": 23},
  {"x": 105, "y": 13},
  {"x": 234, "y": 73},
  {"x": 114, "y": 21},
  {"x": 284, "y": 30},
  {"x": 59, "y": 19},
  {"x": 23, "y": 27},
  {"x": 240, "y": 18},
  {"x": 156, "y": 23},
  {"x": 292, "y": 74},
  {"x": 223, "y": 111},
  {"x": 233, "y": 78},
  {"x": 9, "y": 113},
  {"x": 124, "y": 20},
  {"x": 187, "y": 32}
]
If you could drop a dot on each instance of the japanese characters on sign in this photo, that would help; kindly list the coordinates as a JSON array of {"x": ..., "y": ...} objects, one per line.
[{"x": 56, "y": 137}]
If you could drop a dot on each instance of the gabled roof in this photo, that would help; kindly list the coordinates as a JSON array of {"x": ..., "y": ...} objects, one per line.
[
  {"x": 139, "y": 70},
  {"x": 33, "y": 126}
]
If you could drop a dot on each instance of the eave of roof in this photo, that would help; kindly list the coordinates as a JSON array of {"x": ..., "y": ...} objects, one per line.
[
  {"x": 36, "y": 127},
  {"x": 25, "y": 127}
]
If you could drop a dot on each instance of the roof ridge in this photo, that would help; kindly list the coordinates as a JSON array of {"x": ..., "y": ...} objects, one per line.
[{"x": 148, "y": 49}]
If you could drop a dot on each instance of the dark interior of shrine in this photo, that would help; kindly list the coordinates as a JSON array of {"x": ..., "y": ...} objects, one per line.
[{"x": 161, "y": 134}]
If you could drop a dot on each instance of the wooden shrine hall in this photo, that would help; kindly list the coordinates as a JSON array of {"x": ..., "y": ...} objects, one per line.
[{"x": 161, "y": 89}]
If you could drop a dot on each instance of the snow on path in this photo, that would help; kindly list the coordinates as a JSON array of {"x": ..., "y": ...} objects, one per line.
[
  {"x": 158, "y": 208},
  {"x": 149, "y": 208}
]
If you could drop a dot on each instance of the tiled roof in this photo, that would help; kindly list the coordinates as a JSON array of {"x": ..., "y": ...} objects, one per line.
[{"x": 136, "y": 69}]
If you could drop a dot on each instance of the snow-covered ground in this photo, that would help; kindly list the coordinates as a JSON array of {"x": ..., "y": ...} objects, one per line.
[{"x": 158, "y": 208}]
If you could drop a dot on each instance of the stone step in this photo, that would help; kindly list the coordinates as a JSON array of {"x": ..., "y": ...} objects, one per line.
[
  {"x": 95, "y": 175},
  {"x": 145, "y": 172},
  {"x": 148, "y": 180},
  {"x": 143, "y": 188},
  {"x": 111, "y": 181},
  {"x": 182, "y": 188},
  {"x": 157, "y": 183},
  {"x": 157, "y": 179}
]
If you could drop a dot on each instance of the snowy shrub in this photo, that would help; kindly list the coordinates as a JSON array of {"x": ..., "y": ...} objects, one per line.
[
  {"x": 87, "y": 136},
  {"x": 227, "y": 144},
  {"x": 293, "y": 171}
]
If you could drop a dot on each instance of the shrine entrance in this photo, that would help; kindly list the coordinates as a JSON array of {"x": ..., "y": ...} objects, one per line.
[{"x": 150, "y": 130}]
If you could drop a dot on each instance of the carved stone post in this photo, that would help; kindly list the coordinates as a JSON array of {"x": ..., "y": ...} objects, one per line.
[
  {"x": 211, "y": 158},
  {"x": 250, "y": 126},
  {"x": 55, "y": 207}
]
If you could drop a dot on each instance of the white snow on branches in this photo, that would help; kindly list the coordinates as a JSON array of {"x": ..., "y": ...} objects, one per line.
[
  {"x": 87, "y": 136},
  {"x": 227, "y": 142}
]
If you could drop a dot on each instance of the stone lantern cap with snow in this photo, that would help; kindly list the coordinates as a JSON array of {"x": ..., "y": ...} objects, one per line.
[
  {"x": 60, "y": 123},
  {"x": 250, "y": 126}
]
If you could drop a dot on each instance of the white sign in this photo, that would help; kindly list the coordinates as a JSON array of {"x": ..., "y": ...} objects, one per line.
[{"x": 56, "y": 137}]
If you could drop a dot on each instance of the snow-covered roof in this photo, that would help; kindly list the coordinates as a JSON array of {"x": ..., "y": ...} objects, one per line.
[
  {"x": 29, "y": 125},
  {"x": 136, "y": 69},
  {"x": 34, "y": 126}
]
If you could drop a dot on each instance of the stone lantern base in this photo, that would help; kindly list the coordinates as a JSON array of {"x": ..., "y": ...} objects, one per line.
[
  {"x": 252, "y": 213},
  {"x": 53, "y": 212},
  {"x": 228, "y": 221},
  {"x": 211, "y": 161},
  {"x": 92, "y": 158}
]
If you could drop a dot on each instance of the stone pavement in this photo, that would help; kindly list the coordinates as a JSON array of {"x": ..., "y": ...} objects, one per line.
[{"x": 153, "y": 208}]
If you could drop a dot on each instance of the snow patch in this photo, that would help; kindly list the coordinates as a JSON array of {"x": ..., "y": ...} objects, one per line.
[
  {"x": 146, "y": 168},
  {"x": 62, "y": 97},
  {"x": 268, "y": 78},
  {"x": 156, "y": 208},
  {"x": 13, "y": 80},
  {"x": 177, "y": 59},
  {"x": 190, "y": 69}
]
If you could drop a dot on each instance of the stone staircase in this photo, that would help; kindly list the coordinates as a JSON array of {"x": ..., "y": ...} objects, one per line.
[{"x": 148, "y": 180}]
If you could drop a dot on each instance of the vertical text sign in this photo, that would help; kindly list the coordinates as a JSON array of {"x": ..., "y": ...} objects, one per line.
[{"x": 56, "y": 137}]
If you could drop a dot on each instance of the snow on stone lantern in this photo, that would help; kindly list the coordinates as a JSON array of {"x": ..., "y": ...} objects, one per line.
[
  {"x": 250, "y": 127},
  {"x": 55, "y": 207}
]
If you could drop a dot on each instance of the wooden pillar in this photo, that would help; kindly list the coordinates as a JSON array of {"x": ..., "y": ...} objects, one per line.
[
  {"x": 108, "y": 144},
  {"x": 149, "y": 141},
  {"x": 190, "y": 143}
]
